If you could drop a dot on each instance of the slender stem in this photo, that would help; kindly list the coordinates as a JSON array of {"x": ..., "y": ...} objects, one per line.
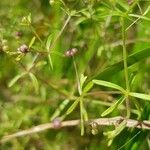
[
  {"x": 77, "y": 76},
  {"x": 33, "y": 62},
  {"x": 37, "y": 36},
  {"x": 125, "y": 55},
  {"x": 81, "y": 99},
  {"x": 132, "y": 6},
  {"x": 125, "y": 65},
  {"x": 103, "y": 92},
  {"x": 81, "y": 116},
  {"x": 130, "y": 140},
  {"x": 54, "y": 87},
  {"x": 42, "y": 43},
  {"x": 57, "y": 37},
  {"x": 60, "y": 33},
  {"x": 131, "y": 123}
]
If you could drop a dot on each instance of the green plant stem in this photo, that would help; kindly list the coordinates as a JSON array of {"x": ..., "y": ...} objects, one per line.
[
  {"x": 125, "y": 54},
  {"x": 132, "y": 6},
  {"x": 42, "y": 44},
  {"x": 37, "y": 36},
  {"x": 33, "y": 62},
  {"x": 54, "y": 87},
  {"x": 57, "y": 37},
  {"x": 60, "y": 33},
  {"x": 125, "y": 66},
  {"x": 81, "y": 98},
  {"x": 81, "y": 116},
  {"x": 77, "y": 76}
]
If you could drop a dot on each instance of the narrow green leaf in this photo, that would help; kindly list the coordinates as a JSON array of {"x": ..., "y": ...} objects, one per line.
[
  {"x": 140, "y": 95},
  {"x": 35, "y": 82},
  {"x": 26, "y": 20},
  {"x": 123, "y": 4},
  {"x": 88, "y": 87},
  {"x": 43, "y": 92},
  {"x": 85, "y": 114},
  {"x": 50, "y": 61},
  {"x": 109, "y": 84},
  {"x": 15, "y": 79},
  {"x": 29, "y": 18},
  {"x": 41, "y": 63},
  {"x": 82, "y": 116},
  {"x": 48, "y": 42},
  {"x": 60, "y": 109},
  {"x": 131, "y": 60},
  {"x": 113, "y": 107},
  {"x": 139, "y": 16},
  {"x": 18, "y": 58},
  {"x": 146, "y": 11},
  {"x": 110, "y": 142},
  {"x": 32, "y": 42},
  {"x": 114, "y": 133},
  {"x": 73, "y": 106},
  {"x": 82, "y": 80}
]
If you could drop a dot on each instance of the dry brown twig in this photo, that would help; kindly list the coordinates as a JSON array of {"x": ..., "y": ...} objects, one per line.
[{"x": 131, "y": 123}]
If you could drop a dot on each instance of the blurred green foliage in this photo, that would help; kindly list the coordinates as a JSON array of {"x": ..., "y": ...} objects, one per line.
[{"x": 34, "y": 85}]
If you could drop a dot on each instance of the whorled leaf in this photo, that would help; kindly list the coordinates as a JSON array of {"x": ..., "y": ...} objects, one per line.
[
  {"x": 73, "y": 106},
  {"x": 113, "y": 107},
  {"x": 109, "y": 84},
  {"x": 15, "y": 79},
  {"x": 140, "y": 95}
]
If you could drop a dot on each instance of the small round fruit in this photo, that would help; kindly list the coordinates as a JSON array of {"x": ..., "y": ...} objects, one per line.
[{"x": 23, "y": 49}]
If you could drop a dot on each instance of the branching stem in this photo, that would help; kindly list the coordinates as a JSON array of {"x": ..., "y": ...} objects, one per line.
[
  {"x": 131, "y": 123},
  {"x": 125, "y": 66}
]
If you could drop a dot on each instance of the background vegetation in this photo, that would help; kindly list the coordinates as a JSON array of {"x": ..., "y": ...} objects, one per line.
[{"x": 40, "y": 81}]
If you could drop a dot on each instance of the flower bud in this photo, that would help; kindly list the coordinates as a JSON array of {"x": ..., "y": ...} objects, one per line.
[
  {"x": 56, "y": 123},
  {"x": 67, "y": 54},
  {"x": 71, "y": 52},
  {"x": 74, "y": 50},
  {"x": 23, "y": 49},
  {"x": 18, "y": 34}
]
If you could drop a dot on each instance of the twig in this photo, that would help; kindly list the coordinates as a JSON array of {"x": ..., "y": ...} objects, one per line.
[{"x": 131, "y": 123}]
